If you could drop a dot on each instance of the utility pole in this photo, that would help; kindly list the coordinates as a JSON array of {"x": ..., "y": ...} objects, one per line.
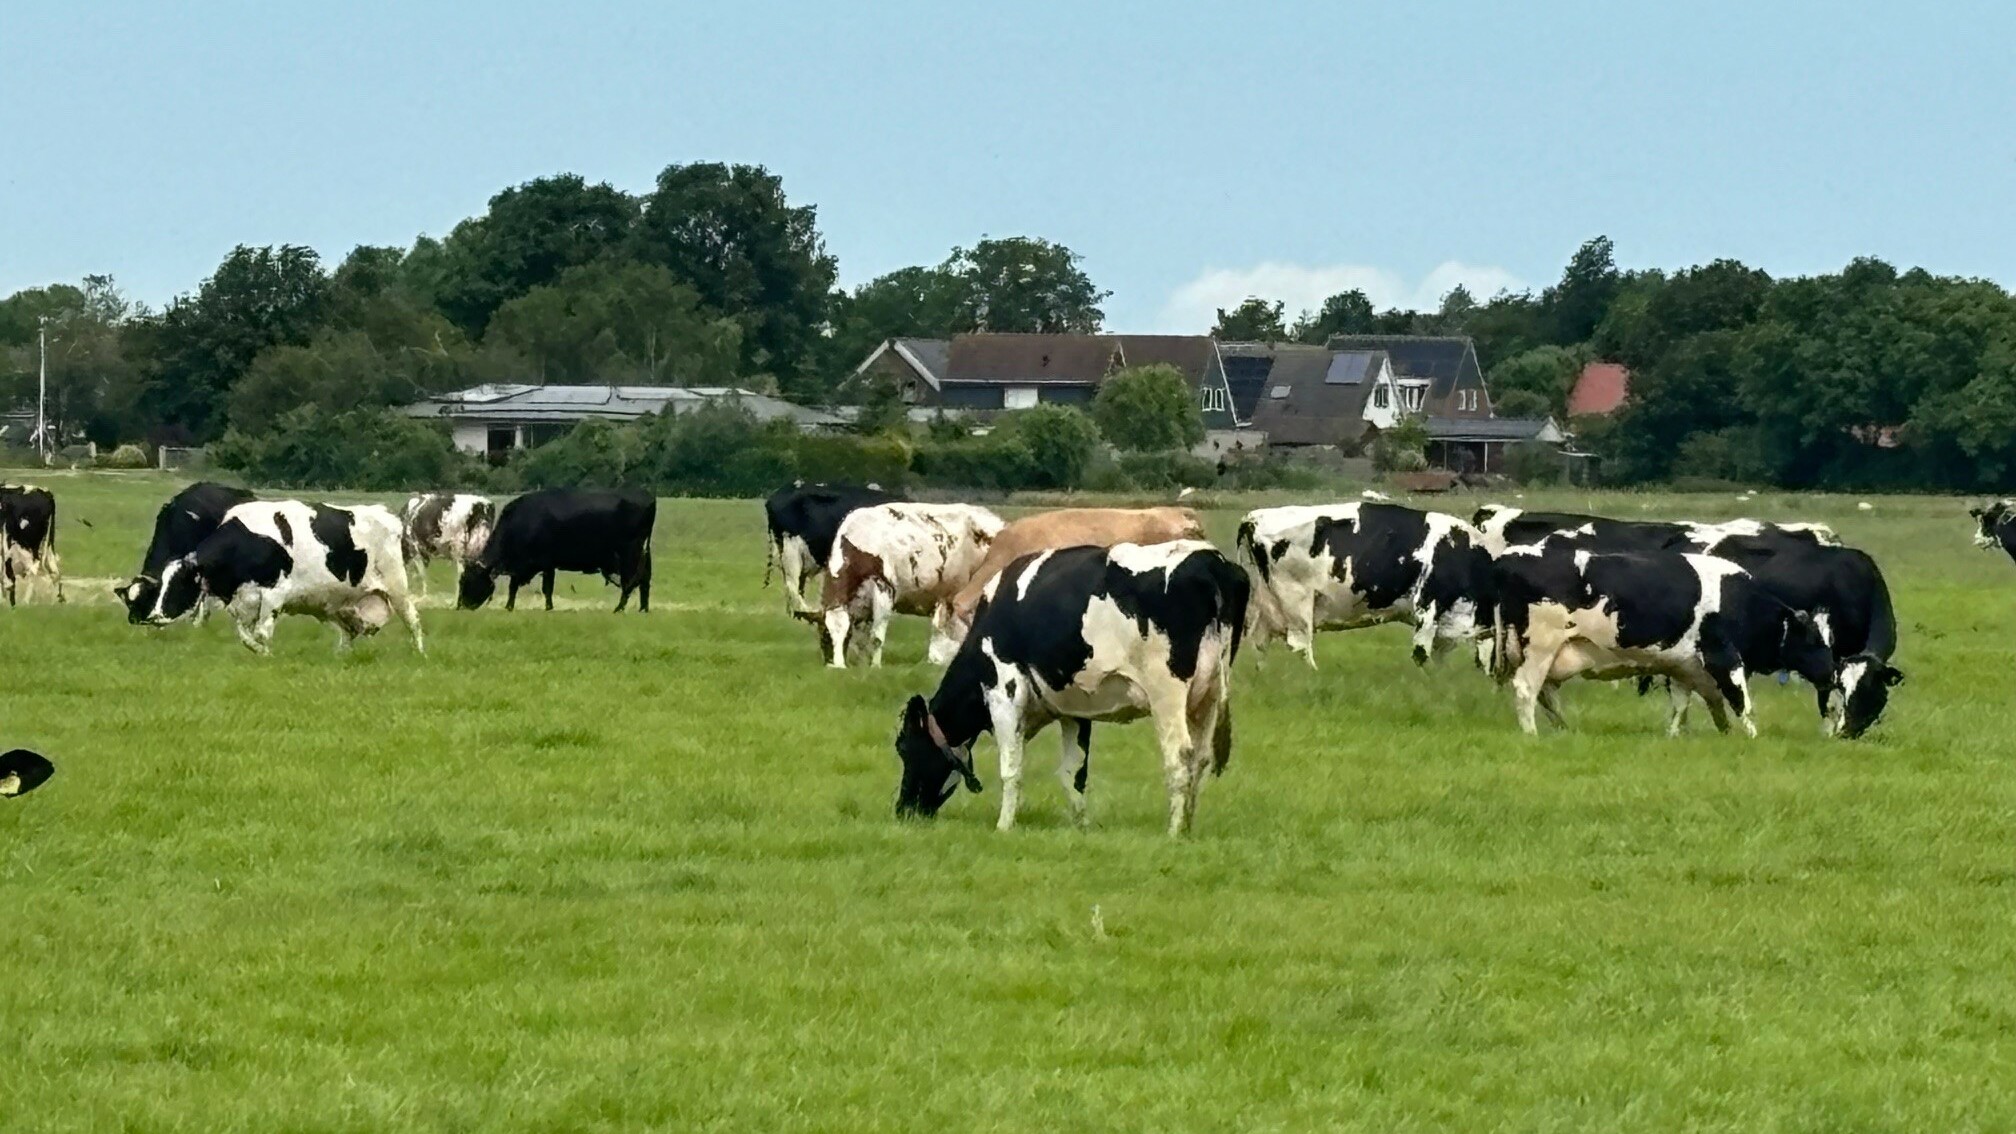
[{"x": 42, "y": 392}]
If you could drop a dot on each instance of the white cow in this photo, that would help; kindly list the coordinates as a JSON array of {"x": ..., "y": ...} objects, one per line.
[
  {"x": 273, "y": 557},
  {"x": 445, "y": 525},
  {"x": 908, "y": 558}
]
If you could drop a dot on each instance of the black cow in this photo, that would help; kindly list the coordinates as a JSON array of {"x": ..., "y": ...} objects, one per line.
[
  {"x": 1699, "y": 620},
  {"x": 28, "y": 538},
  {"x": 564, "y": 529},
  {"x": 804, "y": 520},
  {"x": 180, "y": 527},
  {"x": 1081, "y": 635},
  {"x": 1844, "y": 593},
  {"x": 22, "y": 771},
  {"x": 1995, "y": 526}
]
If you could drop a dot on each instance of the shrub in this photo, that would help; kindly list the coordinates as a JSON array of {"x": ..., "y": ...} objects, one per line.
[
  {"x": 1250, "y": 476},
  {"x": 719, "y": 449},
  {"x": 1532, "y": 462},
  {"x": 882, "y": 460},
  {"x": 1403, "y": 448},
  {"x": 365, "y": 450},
  {"x": 1735, "y": 454},
  {"x": 125, "y": 457},
  {"x": 995, "y": 461},
  {"x": 1165, "y": 470},
  {"x": 594, "y": 452},
  {"x": 1061, "y": 444},
  {"x": 1148, "y": 408}
]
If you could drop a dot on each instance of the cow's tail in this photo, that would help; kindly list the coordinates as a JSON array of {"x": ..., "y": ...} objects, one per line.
[
  {"x": 776, "y": 551},
  {"x": 1501, "y": 638},
  {"x": 1882, "y": 616},
  {"x": 1221, "y": 739}
]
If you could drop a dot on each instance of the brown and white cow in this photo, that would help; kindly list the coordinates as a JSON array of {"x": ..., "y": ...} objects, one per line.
[
  {"x": 445, "y": 525},
  {"x": 908, "y": 558},
  {"x": 1054, "y": 531}
]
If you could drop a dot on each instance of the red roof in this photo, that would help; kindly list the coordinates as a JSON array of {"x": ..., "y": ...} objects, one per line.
[{"x": 1599, "y": 390}]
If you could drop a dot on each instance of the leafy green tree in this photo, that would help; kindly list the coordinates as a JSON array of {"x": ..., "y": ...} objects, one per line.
[
  {"x": 372, "y": 450},
  {"x": 1510, "y": 323},
  {"x": 93, "y": 387},
  {"x": 1546, "y": 374},
  {"x": 200, "y": 347},
  {"x": 530, "y": 235},
  {"x": 1254, "y": 320},
  {"x": 906, "y": 303},
  {"x": 1521, "y": 403},
  {"x": 1061, "y": 443},
  {"x": 1346, "y": 313},
  {"x": 730, "y": 233},
  {"x": 1148, "y": 408},
  {"x": 1576, "y": 306},
  {"x": 621, "y": 323},
  {"x": 1022, "y": 283}
]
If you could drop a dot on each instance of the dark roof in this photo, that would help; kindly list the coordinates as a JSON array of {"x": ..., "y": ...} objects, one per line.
[
  {"x": 1028, "y": 360},
  {"x": 1486, "y": 428},
  {"x": 1194, "y": 355},
  {"x": 1312, "y": 411},
  {"x": 1435, "y": 357},
  {"x": 931, "y": 354}
]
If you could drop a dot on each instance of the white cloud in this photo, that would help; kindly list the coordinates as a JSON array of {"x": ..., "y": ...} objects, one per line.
[{"x": 1194, "y": 306}]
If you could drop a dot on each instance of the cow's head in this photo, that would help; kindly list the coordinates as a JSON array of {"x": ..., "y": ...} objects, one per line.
[
  {"x": 1804, "y": 651},
  {"x": 139, "y": 596},
  {"x": 932, "y": 769},
  {"x": 180, "y": 590},
  {"x": 1987, "y": 517},
  {"x": 475, "y": 587},
  {"x": 22, "y": 771},
  {"x": 1866, "y": 681}
]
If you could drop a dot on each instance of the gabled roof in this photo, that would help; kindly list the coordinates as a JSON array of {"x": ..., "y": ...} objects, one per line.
[
  {"x": 1310, "y": 409},
  {"x": 1438, "y": 358},
  {"x": 1194, "y": 355},
  {"x": 524, "y": 404},
  {"x": 1494, "y": 429},
  {"x": 1599, "y": 389},
  {"x": 1030, "y": 360},
  {"x": 927, "y": 357}
]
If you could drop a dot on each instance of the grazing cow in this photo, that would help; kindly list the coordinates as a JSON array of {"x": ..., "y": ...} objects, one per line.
[
  {"x": 28, "y": 538},
  {"x": 1843, "y": 591},
  {"x": 1342, "y": 566},
  {"x": 1047, "y": 531},
  {"x": 273, "y": 557},
  {"x": 1081, "y": 635},
  {"x": 180, "y": 527},
  {"x": 446, "y": 525},
  {"x": 1995, "y": 526},
  {"x": 897, "y": 558},
  {"x": 1701, "y": 621},
  {"x": 564, "y": 529},
  {"x": 22, "y": 771},
  {"x": 803, "y": 520},
  {"x": 1504, "y": 527}
]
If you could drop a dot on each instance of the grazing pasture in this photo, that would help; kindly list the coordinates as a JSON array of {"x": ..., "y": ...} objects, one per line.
[{"x": 574, "y": 871}]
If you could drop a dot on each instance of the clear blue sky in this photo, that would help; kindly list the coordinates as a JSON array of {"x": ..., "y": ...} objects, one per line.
[{"x": 1190, "y": 151}]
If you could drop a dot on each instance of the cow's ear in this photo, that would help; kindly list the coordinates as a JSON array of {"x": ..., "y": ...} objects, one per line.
[{"x": 1893, "y": 677}]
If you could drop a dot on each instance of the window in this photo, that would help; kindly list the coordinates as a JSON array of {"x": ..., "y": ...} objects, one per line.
[
  {"x": 499, "y": 442},
  {"x": 1214, "y": 399},
  {"x": 1466, "y": 401},
  {"x": 1379, "y": 398},
  {"x": 1019, "y": 397},
  {"x": 1278, "y": 392}
]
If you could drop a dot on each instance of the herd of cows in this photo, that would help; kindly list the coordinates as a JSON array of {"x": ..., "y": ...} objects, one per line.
[{"x": 1083, "y": 615}]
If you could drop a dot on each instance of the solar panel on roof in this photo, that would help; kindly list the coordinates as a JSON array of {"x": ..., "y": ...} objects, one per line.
[
  {"x": 1347, "y": 369},
  {"x": 1278, "y": 392}
]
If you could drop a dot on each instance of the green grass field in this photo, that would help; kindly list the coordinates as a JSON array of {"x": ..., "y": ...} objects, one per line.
[{"x": 580, "y": 872}]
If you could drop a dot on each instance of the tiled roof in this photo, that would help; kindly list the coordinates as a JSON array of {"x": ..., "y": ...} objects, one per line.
[
  {"x": 1599, "y": 389},
  {"x": 1029, "y": 360}
]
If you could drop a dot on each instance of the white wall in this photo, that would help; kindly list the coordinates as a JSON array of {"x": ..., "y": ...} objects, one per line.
[{"x": 472, "y": 437}]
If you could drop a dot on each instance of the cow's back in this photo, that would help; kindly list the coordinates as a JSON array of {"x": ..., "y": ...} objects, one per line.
[{"x": 569, "y": 530}]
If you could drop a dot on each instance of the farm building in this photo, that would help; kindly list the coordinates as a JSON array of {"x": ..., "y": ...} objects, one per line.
[{"x": 496, "y": 419}]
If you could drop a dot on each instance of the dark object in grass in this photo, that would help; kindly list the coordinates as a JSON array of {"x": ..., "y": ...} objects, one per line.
[{"x": 22, "y": 771}]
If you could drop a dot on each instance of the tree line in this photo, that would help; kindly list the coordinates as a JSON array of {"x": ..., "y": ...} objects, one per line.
[{"x": 715, "y": 277}]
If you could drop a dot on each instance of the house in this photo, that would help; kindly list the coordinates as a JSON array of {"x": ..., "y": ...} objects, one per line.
[
  {"x": 987, "y": 372},
  {"x": 1311, "y": 395},
  {"x": 1444, "y": 367},
  {"x": 1599, "y": 390},
  {"x": 496, "y": 419},
  {"x": 1479, "y": 444}
]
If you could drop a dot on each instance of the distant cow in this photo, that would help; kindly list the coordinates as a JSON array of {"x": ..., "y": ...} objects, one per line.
[
  {"x": 1342, "y": 566},
  {"x": 563, "y": 529},
  {"x": 1995, "y": 526},
  {"x": 179, "y": 527},
  {"x": 446, "y": 525},
  {"x": 803, "y": 519},
  {"x": 22, "y": 771},
  {"x": 1047, "y": 531},
  {"x": 1076, "y": 636},
  {"x": 1705, "y": 623},
  {"x": 28, "y": 538},
  {"x": 897, "y": 558},
  {"x": 340, "y": 565}
]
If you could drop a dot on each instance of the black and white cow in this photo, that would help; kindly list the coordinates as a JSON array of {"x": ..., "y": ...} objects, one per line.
[
  {"x": 446, "y": 525},
  {"x": 1844, "y": 594},
  {"x": 606, "y": 533},
  {"x": 1504, "y": 527},
  {"x": 1341, "y": 566},
  {"x": 272, "y": 557},
  {"x": 1995, "y": 526},
  {"x": 1081, "y": 635},
  {"x": 22, "y": 771},
  {"x": 28, "y": 538},
  {"x": 180, "y": 527},
  {"x": 803, "y": 520},
  {"x": 1561, "y": 612}
]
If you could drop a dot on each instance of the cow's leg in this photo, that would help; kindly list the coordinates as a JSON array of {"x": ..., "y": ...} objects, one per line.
[
  {"x": 1529, "y": 682},
  {"x": 1550, "y": 703},
  {"x": 1075, "y": 764},
  {"x": 1167, "y": 701},
  {"x": 54, "y": 564},
  {"x": 791, "y": 565},
  {"x": 881, "y": 606},
  {"x": 253, "y": 619},
  {"x": 1302, "y": 631},
  {"x": 409, "y": 613},
  {"x": 1011, "y": 734},
  {"x": 839, "y": 625},
  {"x": 546, "y": 586},
  {"x": 517, "y": 581},
  {"x": 1424, "y": 634},
  {"x": 1679, "y": 699},
  {"x": 644, "y": 583}
]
